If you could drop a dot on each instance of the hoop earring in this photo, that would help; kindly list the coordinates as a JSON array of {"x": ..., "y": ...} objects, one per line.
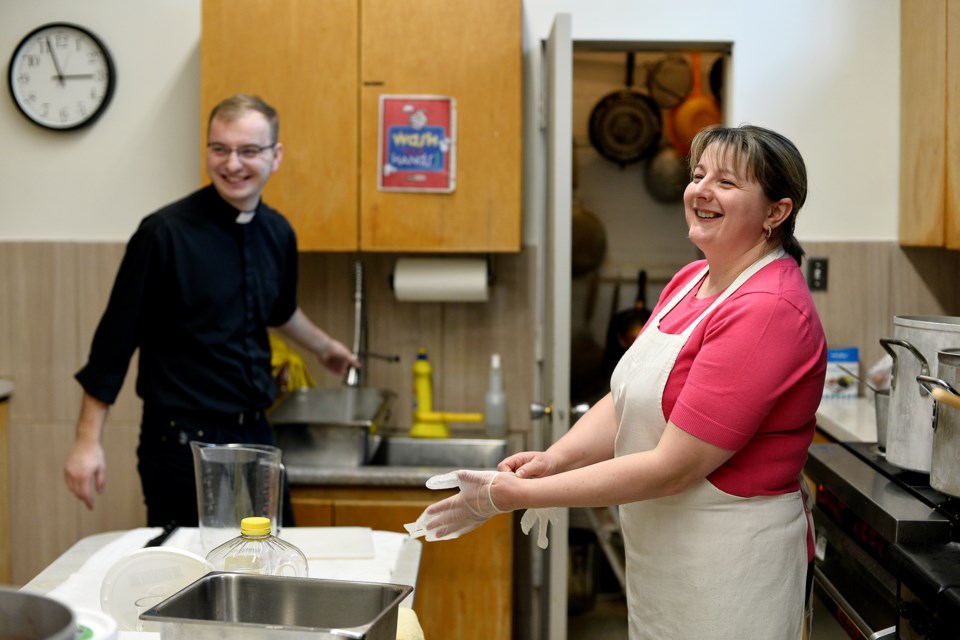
[{"x": 769, "y": 231}]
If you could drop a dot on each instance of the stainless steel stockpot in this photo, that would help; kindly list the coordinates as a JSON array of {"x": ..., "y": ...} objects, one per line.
[
  {"x": 30, "y": 616},
  {"x": 945, "y": 464},
  {"x": 917, "y": 341}
]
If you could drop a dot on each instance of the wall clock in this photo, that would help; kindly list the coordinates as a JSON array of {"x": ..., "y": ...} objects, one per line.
[{"x": 61, "y": 76}]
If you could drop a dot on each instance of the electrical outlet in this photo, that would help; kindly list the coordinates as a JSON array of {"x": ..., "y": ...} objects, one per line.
[{"x": 817, "y": 274}]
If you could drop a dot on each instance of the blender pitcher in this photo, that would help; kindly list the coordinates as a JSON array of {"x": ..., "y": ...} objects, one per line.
[{"x": 235, "y": 481}]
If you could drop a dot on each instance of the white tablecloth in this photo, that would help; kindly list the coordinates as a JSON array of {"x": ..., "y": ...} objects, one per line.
[{"x": 80, "y": 588}]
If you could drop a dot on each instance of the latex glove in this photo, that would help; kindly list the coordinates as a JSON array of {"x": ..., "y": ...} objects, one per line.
[
  {"x": 541, "y": 516},
  {"x": 460, "y": 514}
]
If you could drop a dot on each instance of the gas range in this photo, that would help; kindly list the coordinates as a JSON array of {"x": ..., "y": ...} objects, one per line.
[{"x": 888, "y": 546}]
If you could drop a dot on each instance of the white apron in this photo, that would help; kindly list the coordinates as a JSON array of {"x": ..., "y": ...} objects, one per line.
[{"x": 704, "y": 563}]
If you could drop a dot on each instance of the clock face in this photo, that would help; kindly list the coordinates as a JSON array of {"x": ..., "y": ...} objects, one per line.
[{"x": 61, "y": 76}]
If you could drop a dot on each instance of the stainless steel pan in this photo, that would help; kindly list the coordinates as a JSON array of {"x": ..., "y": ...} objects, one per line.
[
  {"x": 917, "y": 341},
  {"x": 625, "y": 126},
  {"x": 945, "y": 462}
]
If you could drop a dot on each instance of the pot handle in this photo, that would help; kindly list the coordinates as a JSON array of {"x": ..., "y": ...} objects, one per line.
[
  {"x": 946, "y": 397},
  {"x": 886, "y": 343},
  {"x": 942, "y": 392}
]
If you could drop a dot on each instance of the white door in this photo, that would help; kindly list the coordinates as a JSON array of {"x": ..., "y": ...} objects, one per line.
[{"x": 555, "y": 362}]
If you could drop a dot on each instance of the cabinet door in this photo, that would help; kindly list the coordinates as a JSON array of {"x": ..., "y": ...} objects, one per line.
[
  {"x": 953, "y": 125},
  {"x": 464, "y": 587},
  {"x": 300, "y": 56},
  {"x": 470, "y": 51},
  {"x": 312, "y": 512},
  {"x": 923, "y": 49}
]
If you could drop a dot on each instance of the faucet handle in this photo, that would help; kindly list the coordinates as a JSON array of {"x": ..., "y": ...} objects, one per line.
[
  {"x": 389, "y": 357},
  {"x": 353, "y": 377}
]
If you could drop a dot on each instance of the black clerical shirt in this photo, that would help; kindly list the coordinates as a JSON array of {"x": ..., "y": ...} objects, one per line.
[{"x": 195, "y": 293}]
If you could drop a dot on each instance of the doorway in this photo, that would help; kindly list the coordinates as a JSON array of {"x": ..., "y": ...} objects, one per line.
[{"x": 628, "y": 239}]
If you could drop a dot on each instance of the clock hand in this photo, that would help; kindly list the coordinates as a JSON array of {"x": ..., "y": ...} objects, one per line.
[
  {"x": 76, "y": 76},
  {"x": 56, "y": 64}
]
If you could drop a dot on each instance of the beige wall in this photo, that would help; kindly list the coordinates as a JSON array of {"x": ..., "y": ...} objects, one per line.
[{"x": 143, "y": 152}]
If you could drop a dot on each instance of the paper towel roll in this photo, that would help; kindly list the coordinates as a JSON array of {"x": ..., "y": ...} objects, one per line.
[{"x": 440, "y": 280}]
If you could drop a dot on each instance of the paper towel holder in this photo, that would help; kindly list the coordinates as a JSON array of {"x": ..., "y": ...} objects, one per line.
[{"x": 490, "y": 271}]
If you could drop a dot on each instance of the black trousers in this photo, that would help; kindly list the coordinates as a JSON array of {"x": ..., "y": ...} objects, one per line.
[{"x": 165, "y": 461}]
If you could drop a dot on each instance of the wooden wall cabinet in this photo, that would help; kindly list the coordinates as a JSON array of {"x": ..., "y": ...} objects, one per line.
[
  {"x": 464, "y": 587},
  {"x": 324, "y": 64},
  {"x": 930, "y": 123}
]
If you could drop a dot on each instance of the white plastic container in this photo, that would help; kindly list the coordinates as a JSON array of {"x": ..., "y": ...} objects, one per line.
[
  {"x": 495, "y": 406},
  {"x": 256, "y": 551}
]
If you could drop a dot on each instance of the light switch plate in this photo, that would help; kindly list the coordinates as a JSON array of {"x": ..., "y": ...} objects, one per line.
[{"x": 817, "y": 274}]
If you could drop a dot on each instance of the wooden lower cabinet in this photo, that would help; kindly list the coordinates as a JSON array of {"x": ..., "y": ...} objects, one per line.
[{"x": 464, "y": 586}]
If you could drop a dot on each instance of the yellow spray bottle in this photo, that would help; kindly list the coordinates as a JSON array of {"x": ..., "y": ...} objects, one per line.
[{"x": 423, "y": 401}]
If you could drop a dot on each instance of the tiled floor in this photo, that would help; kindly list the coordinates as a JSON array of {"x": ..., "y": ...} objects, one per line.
[
  {"x": 600, "y": 611},
  {"x": 606, "y": 621}
]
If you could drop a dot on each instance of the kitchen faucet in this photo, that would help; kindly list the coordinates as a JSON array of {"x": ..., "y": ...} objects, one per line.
[{"x": 357, "y": 377}]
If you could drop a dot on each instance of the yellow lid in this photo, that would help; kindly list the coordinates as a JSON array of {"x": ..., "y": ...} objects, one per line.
[{"x": 255, "y": 526}]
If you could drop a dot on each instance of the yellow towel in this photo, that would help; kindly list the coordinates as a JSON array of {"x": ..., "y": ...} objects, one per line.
[
  {"x": 408, "y": 625},
  {"x": 282, "y": 356}
]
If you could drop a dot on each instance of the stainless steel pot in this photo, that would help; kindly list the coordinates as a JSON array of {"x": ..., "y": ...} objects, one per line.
[
  {"x": 33, "y": 617},
  {"x": 881, "y": 401},
  {"x": 945, "y": 464},
  {"x": 917, "y": 341}
]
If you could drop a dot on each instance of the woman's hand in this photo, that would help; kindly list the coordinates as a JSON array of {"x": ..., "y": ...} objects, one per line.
[
  {"x": 589, "y": 441},
  {"x": 530, "y": 464},
  {"x": 459, "y": 514}
]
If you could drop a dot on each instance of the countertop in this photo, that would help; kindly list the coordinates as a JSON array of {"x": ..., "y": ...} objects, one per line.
[
  {"x": 6, "y": 388},
  {"x": 848, "y": 419},
  {"x": 75, "y": 577},
  {"x": 843, "y": 419},
  {"x": 371, "y": 476}
]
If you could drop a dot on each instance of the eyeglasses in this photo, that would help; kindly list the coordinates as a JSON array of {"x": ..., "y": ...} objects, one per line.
[{"x": 246, "y": 151}]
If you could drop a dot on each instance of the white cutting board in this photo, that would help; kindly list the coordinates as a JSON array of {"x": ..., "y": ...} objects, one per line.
[{"x": 331, "y": 543}]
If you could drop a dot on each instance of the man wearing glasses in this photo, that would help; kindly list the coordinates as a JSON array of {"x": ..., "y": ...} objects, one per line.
[{"x": 201, "y": 280}]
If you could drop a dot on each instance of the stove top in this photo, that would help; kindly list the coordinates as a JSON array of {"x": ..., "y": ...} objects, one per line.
[
  {"x": 896, "y": 517},
  {"x": 915, "y": 483},
  {"x": 899, "y": 505}
]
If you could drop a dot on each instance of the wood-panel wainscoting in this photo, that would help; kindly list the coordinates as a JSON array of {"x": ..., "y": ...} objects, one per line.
[
  {"x": 52, "y": 295},
  {"x": 870, "y": 283},
  {"x": 51, "y": 298}
]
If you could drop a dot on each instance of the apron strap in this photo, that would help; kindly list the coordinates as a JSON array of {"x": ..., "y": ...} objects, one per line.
[{"x": 767, "y": 258}]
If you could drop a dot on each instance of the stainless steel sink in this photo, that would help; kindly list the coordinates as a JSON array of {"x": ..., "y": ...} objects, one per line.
[
  {"x": 330, "y": 427},
  {"x": 339, "y": 427},
  {"x": 455, "y": 453},
  {"x": 354, "y": 406}
]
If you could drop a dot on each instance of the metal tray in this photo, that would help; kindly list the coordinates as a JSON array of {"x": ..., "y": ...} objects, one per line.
[{"x": 253, "y": 607}]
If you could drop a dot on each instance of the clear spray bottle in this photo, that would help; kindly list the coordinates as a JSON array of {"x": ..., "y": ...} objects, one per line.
[
  {"x": 256, "y": 551},
  {"x": 495, "y": 406}
]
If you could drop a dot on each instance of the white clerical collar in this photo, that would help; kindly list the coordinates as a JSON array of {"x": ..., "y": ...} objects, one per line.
[{"x": 245, "y": 216}]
